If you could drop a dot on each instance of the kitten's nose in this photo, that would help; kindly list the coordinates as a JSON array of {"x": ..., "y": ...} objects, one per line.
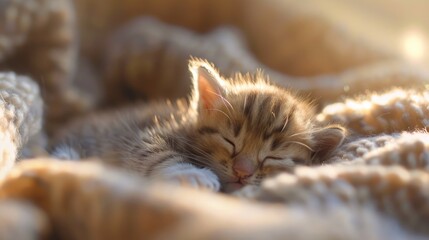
[{"x": 243, "y": 166}]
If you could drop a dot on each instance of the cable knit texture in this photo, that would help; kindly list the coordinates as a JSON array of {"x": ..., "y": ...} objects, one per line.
[
  {"x": 374, "y": 186},
  {"x": 393, "y": 111},
  {"x": 392, "y": 190},
  {"x": 38, "y": 38},
  {"x": 21, "y": 116}
]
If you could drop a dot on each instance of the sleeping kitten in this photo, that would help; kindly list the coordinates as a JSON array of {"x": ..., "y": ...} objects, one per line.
[{"x": 229, "y": 133}]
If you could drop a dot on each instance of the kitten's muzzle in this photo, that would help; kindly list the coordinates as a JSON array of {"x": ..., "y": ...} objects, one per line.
[{"x": 243, "y": 166}]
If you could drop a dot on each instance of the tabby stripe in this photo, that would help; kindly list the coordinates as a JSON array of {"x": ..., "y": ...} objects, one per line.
[
  {"x": 236, "y": 128},
  {"x": 264, "y": 121},
  {"x": 143, "y": 155},
  {"x": 266, "y": 135},
  {"x": 158, "y": 161},
  {"x": 276, "y": 108},
  {"x": 250, "y": 101},
  {"x": 265, "y": 103},
  {"x": 292, "y": 111},
  {"x": 289, "y": 119},
  {"x": 276, "y": 143},
  {"x": 282, "y": 127},
  {"x": 207, "y": 130}
]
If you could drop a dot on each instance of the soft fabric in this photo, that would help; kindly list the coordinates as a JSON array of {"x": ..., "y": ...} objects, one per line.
[{"x": 374, "y": 186}]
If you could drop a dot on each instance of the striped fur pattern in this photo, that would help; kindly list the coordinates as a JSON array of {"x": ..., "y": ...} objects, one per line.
[{"x": 229, "y": 133}]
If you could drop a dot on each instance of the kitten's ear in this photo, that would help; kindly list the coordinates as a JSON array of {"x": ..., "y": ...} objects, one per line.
[
  {"x": 328, "y": 139},
  {"x": 208, "y": 85}
]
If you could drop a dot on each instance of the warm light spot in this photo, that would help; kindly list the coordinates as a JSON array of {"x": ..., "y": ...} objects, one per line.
[
  {"x": 346, "y": 88},
  {"x": 389, "y": 97},
  {"x": 413, "y": 45},
  {"x": 333, "y": 108},
  {"x": 366, "y": 105}
]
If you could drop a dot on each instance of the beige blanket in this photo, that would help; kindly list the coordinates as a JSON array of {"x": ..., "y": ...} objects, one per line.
[{"x": 85, "y": 55}]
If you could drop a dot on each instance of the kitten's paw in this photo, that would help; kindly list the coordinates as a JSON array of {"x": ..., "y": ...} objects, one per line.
[
  {"x": 189, "y": 175},
  {"x": 65, "y": 152}
]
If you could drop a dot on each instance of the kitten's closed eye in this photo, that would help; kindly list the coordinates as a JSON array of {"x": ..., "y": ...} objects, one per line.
[
  {"x": 231, "y": 143},
  {"x": 273, "y": 158},
  {"x": 299, "y": 161}
]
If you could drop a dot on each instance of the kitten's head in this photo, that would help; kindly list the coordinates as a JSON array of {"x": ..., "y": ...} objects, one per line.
[{"x": 247, "y": 129}]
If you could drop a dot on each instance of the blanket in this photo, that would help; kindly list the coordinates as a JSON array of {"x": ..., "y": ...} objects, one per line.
[{"x": 61, "y": 59}]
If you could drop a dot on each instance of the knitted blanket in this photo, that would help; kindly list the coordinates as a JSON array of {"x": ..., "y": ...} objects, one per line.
[{"x": 86, "y": 55}]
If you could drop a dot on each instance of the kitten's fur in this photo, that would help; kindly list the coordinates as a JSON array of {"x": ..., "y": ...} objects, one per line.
[{"x": 229, "y": 133}]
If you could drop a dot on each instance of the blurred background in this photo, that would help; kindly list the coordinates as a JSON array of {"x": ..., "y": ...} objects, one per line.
[
  {"x": 398, "y": 25},
  {"x": 95, "y": 54}
]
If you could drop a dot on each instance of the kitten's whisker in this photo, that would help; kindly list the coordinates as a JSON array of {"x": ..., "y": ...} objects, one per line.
[
  {"x": 302, "y": 144},
  {"x": 197, "y": 159},
  {"x": 230, "y": 105},
  {"x": 312, "y": 159},
  {"x": 285, "y": 124},
  {"x": 245, "y": 102},
  {"x": 204, "y": 159},
  {"x": 195, "y": 148},
  {"x": 318, "y": 129},
  {"x": 218, "y": 110},
  {"x": 300, "y": 133},
  {"x": 201, "y": 154},
  {"x": 224, "y": 100},
  {"x": 306, "y": 132}
]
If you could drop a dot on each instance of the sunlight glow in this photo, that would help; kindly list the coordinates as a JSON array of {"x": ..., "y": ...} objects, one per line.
[
  {"x": 387, "y": 98},
  {"x": 413, "y": 45}
]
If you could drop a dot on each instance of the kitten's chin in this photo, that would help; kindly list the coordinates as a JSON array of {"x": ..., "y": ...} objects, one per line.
[{"x": 232, "y": 187}]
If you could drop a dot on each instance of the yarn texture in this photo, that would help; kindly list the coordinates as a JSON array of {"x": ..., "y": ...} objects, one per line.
[{"x": 60, "y": 59}]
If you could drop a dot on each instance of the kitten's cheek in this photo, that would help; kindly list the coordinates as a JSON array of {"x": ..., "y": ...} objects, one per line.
[{"x": 232, "y": 187}]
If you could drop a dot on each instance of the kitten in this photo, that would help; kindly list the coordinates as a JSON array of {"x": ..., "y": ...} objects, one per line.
[{"x": 229, "y": 133}]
